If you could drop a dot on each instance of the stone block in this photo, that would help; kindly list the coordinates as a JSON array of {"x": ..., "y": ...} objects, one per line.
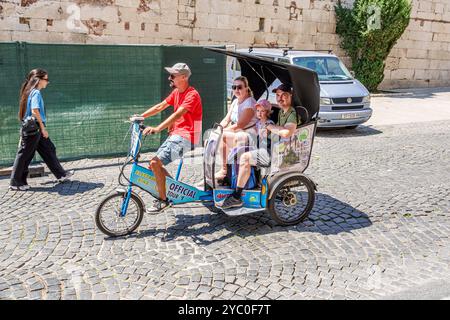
[
  {"x": 439, "y": 55},
  {"x": 12, "y": 24},
  {"x": 42, "y": 10},
  {"x": 419, "y": 25},
  {"x": 441, "y": 37},
  {"x": 402, "y": 74},
  {"x": 147, "y": 40},
  {"x": 206, "y": 20},
  {"x": 108, "y": 14},
  {"x": 280, "y": 26},
  {"x": 201, "y": 34},
  {"x": 425, "y": 5},
  {"x": 417, "y": 53},
  {"x": 440, "y": 27},
  {"x": 420, "y": 36},
  {"x": 439, "y": 65},
  {"x": 129, "y": 3},
  {"x": 36, "y": 36},
  {"x": 38, "y": 24},
  {"x": 5, "y": 36}
]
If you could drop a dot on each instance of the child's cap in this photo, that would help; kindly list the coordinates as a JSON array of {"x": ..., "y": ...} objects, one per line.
[{"x": 265, "y": 104}]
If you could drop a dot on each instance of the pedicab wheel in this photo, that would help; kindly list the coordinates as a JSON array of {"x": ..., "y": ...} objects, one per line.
[
  {"x": 109, "y": 220},
  {"x": 292, "y": 201}
]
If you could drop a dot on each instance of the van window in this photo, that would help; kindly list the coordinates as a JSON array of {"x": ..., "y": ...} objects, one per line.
[
  {"x": 235, "y": 65},
  {"x": 328, "y": 68}
]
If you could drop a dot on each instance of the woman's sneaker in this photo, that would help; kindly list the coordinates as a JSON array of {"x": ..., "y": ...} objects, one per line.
[
  {"x": 19, "y": 188},
  {"x": 67, "y": 177},
  {"x": 158, "y": 206}
]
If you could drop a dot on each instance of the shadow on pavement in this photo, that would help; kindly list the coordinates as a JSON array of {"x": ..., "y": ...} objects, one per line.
[
  {"x": 360, "y": 131},
  {"x": 329, "y": 216},
  {"x": 67, "y": 188}
]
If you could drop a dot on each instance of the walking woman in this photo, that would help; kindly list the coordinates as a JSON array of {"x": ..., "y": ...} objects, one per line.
[{"x": 32, "y": 104}]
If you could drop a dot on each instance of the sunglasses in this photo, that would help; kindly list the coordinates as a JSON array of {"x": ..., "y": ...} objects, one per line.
[
  {"x": 173, "y": 76},
  {"x": 238, "y": 87},
  {"x": 46, "y": 79}
]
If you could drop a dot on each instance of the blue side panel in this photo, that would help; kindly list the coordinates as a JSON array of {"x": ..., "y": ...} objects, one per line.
[
  {"x": 177, "y": 192},
  {"x": 144, "y": 178},
  {"x": 251, "y": 199}
]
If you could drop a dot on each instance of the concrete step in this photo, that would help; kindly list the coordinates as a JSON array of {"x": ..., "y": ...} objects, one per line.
[{"x": 36, "y": 170}]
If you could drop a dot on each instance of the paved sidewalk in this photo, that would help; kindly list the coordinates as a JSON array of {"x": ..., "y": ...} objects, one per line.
[
  {"x": 380, "y": 226},
  {"x": 411, "y": 106}
]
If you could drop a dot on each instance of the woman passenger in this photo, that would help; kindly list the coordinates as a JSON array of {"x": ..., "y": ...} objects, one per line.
[{"x": 240, "y": 117}]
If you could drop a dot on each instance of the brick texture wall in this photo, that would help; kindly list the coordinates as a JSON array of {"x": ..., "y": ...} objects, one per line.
[{"x": 421, "y": 57}]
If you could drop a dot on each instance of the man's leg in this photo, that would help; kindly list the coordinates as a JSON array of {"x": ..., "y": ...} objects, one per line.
[
  {"x": 234, "y": 200},
  {"x": 244, "y": 170},
  {"x": 171, "y": 149},
  {"x": 160, "y": 175}
]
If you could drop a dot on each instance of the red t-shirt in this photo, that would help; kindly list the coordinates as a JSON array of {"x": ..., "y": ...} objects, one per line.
[{"x": 189, "y": 126}]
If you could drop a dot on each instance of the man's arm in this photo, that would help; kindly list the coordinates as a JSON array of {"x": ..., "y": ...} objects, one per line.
[
  {"x": 166, "y": 123},
  {"x": 284, "y": 132},
  {"x": 172, "y": 119},
  {"x": 155, "y": 109},
  {"x": 37, "y": 115}
]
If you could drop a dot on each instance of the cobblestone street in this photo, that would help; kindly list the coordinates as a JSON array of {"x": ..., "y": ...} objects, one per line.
[{"x": 380, "y": 226}]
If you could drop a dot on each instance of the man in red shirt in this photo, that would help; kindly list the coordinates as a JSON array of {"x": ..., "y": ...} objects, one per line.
[{"x": 185, "y": 127}]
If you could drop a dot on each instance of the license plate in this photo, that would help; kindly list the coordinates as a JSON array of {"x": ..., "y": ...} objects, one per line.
[{"x": 349, "y": 116}]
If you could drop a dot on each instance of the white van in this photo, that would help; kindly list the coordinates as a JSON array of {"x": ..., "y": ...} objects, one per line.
[{"x": 345, "y": 102}]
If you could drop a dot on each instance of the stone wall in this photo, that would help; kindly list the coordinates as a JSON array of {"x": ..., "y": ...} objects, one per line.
[{"x": 421, "y": 57}]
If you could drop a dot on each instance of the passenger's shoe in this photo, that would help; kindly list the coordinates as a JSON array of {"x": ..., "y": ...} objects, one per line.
[
  {"x": 67, "y": 177},
  {"x": 158, "y": 206},
  {"x": 232, "y": 202},
  {"x": 19, "y": 188}
]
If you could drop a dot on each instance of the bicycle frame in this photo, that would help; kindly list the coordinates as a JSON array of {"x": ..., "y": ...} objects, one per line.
[{"x": 144, "y": 178}]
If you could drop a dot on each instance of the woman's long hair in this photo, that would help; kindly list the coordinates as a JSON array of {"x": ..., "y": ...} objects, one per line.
[
  {"x": 30, "y": 83},
  {"x": 245, "y": 81}
]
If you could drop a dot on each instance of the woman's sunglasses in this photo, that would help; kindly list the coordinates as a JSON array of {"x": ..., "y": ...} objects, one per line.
[{"x": 238, "y": 87}]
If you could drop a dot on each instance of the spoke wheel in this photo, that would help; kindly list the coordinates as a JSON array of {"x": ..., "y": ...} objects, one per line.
[
  {"x": 292, "y": 201},
  {"x": 108, "y": 215}
]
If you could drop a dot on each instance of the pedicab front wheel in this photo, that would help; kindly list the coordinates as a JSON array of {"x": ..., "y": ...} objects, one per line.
[
  {"x": 111, "y": 222},
  {"x": 292, "y": 200}
]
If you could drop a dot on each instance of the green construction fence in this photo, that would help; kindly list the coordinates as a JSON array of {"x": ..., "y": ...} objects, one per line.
[{"x": 95, "y": 88}]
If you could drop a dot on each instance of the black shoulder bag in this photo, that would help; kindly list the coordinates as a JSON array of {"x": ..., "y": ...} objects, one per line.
[{"x": 30, "y": 126}]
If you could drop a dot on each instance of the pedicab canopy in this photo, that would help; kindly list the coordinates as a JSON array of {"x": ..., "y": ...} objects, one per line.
[{"x": 261, "y": 73}]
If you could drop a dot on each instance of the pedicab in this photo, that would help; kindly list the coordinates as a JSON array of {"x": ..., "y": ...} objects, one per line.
[{"x": 282, "y": 190}]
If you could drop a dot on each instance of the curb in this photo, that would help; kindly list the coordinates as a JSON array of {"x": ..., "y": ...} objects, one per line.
[{"x": 34, "y": 171}]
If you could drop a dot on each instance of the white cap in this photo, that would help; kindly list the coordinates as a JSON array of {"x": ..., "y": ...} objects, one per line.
[{"x": 179, "y": 68}]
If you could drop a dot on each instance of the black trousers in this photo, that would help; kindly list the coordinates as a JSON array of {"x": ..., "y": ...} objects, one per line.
[
  {"x": 47, "y": 151},
  {"x": 28, "y": 146},
  {"x": 25, "y": 154}
]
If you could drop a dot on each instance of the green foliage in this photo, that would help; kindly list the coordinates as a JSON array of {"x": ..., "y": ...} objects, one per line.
[{"x": 369, "y": 40}]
